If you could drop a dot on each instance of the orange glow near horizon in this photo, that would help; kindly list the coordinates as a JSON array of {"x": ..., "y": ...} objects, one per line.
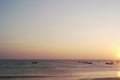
[
  {"x": 116, "y": 52},
  {"x": 34, "y": 50},
  {"x": 118, "y": 55}
]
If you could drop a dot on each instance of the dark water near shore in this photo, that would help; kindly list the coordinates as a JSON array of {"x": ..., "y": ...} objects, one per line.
[{"x": 57, "y": 69}]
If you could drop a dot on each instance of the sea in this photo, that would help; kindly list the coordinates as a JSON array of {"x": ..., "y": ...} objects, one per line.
[{"x": 58, "y": 69}]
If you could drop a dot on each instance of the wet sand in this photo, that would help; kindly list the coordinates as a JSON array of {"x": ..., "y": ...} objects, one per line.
[
  {"x": 113, "y": 78},
  {"x": 109, "y": 78}
]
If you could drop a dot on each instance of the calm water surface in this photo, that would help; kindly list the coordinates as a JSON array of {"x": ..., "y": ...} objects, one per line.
[{"x": 57, "y": 69}]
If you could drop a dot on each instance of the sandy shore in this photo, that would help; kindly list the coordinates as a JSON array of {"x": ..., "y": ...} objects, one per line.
[
  {"x": 109, "y": 78},
  {"x": 114, "y": 78}
]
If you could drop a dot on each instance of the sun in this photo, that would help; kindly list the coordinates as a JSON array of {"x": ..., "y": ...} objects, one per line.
[{"x": 118, "y": 55}]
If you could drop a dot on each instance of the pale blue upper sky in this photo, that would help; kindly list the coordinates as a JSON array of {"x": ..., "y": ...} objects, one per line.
[{"x": 65, "y": 25}]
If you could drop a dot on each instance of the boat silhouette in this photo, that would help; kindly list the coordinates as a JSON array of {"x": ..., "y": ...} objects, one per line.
[
  {"x": 34, "y": 62},
  {"x": 109, "y": 63}
]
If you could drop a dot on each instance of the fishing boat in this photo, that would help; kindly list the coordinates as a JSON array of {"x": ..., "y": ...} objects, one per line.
[
  {"x": 109, "y": 63},
  {"x": 34, "y": 62}
]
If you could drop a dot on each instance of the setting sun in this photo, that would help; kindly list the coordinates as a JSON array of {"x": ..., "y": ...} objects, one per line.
[{"x": 118, "y": 55}]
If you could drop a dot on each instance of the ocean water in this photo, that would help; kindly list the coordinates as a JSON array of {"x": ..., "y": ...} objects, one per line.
[{"x": 57, "y": 69}]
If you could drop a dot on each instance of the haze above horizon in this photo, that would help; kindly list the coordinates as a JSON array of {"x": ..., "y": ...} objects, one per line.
[{"x": 59, "y": 29}]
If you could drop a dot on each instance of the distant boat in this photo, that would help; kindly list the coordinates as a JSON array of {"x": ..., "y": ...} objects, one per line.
[
  {"x": 84, "y": 62},
  {"x": 35, "y": 62},
  {"x": 109, "y": 63},
  {"x": 89, "y": 62},
  {"x": 79, "y": 61}
]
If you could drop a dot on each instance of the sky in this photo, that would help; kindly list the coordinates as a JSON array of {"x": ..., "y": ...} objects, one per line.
[{"x": 59, "y": 29}]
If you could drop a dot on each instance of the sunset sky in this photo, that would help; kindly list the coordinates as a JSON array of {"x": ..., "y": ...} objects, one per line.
[{"x": 59, "y": 29}]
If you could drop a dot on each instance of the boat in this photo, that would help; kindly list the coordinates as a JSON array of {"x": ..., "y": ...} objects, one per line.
[
  {"x": 84, "y": 62},
  {"x": 109, "y": 63},
  {"x": 34, "y": 62},
  {"x": 89, "y": 62},
  {"x": 79, "y": 61}
]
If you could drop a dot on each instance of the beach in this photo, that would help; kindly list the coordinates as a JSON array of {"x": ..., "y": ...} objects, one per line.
[
  {"x": 114, "y": 78},
  {"x": 38, "y": 78}
]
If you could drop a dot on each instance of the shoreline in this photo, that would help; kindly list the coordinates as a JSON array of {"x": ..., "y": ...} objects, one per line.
[
  {"x": 107, "y": 78},
  {"x": 39, "y": 77}
]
